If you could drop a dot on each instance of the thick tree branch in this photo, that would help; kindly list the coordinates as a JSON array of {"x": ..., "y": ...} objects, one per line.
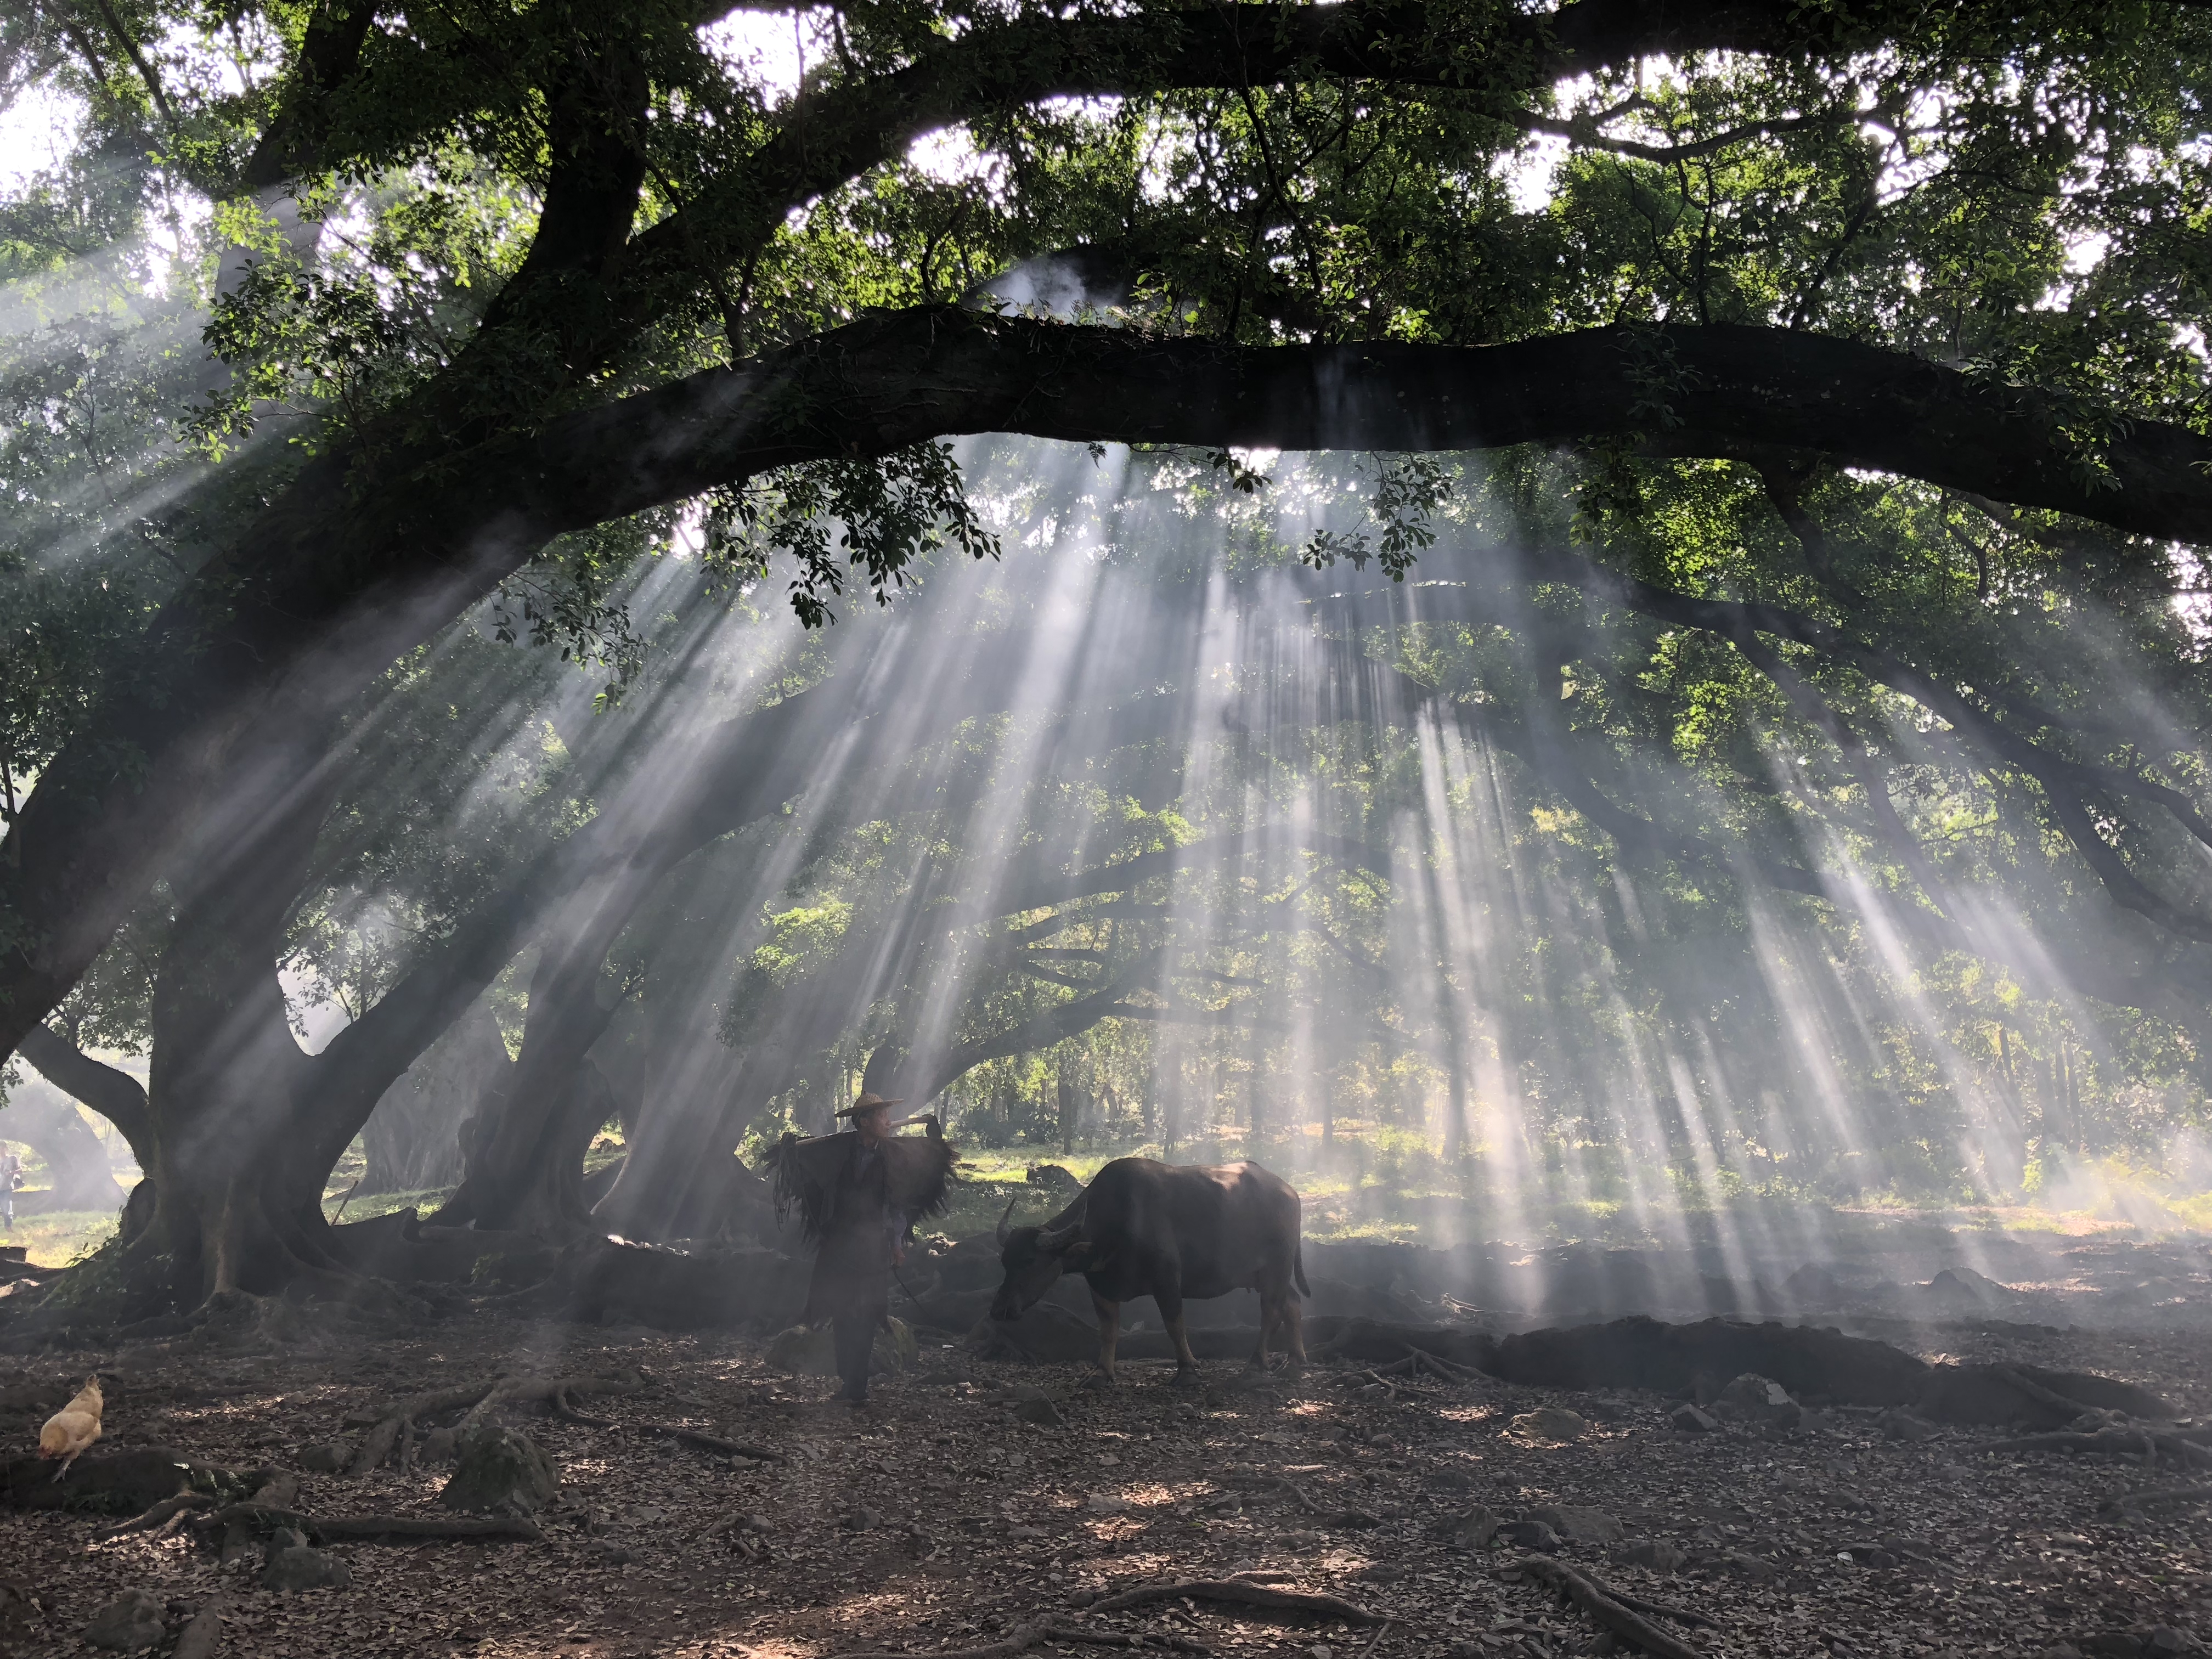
[
  {"x": 830, "y": 137},
  {"x": 146, "y": 72},
  {"x": 115, "y": 1095},
  {"x": 330, "y": 55},
  {"x": 318, "y": 603},
  {"x": 881, "y": 384},
  {"x": 1584, "y": 135}
]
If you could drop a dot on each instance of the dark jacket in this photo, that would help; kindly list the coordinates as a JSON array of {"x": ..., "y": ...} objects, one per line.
[
  {"x": 858, "y": 1229},
  {"x": 858, "y": 1204}
]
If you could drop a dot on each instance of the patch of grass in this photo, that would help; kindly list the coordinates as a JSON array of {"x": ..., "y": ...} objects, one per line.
[
  {"x": 367, "y": 1206},
  {"x": 61, "y": 1236}
]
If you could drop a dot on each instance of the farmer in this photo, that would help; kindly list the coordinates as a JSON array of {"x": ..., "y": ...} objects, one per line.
[
  {"x": 864, "y": 1237},
  {"x": 859, "y": 1193}
]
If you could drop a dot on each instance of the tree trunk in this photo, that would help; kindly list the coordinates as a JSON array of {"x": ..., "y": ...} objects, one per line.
[
  {"x": 411, "y": 1140},
  {"x": 528, "y": 1172},
  {"x": 682, "y": 1177},
  {"x": 237, "y": 1177},
  {"x": 529, "y": 1168}
]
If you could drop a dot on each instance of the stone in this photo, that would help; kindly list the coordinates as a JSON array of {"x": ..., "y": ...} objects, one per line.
[
  {"x": 1529, "y": 1535},
  {"x": 863, "y": 1519},
  {"x": 326, "y": 1458},
  {"x": 1553, "y": 1422},
  {"x": 1040, "y": 1411},
  {"x": 1693, "y": 1419},
  {"x": 501, "y": 1469},
  {"x": 1577, "y": 1523},
  {"x": 614, "y": 1554},
  {"x": 2112, "y": 1645},
  {"x": 803, "y": 1351},
  {"x": 131, "y": 1622},
  {"x": 1024, "y": 1531},
  {"x": 1897, "y": 1424},
  {"x": 1654, "y": 1553},
  {"x": 1759, "y": 1399},
  {"x": 440, "y": 1446},
  {"x": 2164, "y": 1641},
  {"x": 1105, "y": 1502},
  {"x": 295, "y": 1568},
  {"x": 1474, "y": 1530}
]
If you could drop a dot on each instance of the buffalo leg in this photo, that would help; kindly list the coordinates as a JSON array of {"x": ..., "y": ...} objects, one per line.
[
  {"x": 1270, "y": 1316},
  {"x": 1110, "y": 1331},
  {"x": 1294, "y": 1325},
  {"x": 1171, "y": 1306}
]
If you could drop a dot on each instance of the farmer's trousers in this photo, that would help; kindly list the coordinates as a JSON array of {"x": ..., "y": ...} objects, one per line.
[{"x": 855, "y": 1336}]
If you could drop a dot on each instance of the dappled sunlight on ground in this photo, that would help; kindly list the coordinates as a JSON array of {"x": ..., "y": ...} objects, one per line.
[{"x": 937, "y": 1520}]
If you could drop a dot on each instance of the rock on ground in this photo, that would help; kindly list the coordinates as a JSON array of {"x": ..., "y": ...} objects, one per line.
[
  {"x": 297, "y": 1567},
  {"x": 131, "y": 1622},
  {"x": 501, "y": 1469}
]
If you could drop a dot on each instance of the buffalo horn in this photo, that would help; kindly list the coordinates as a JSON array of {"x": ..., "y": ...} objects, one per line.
[
  {"x": 1053, "y": 1242},
  {"x": 1000, "y": 1233}
]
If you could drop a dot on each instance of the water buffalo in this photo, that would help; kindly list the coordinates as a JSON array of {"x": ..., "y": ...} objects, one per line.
[{"x": 1168, "y": 1231}]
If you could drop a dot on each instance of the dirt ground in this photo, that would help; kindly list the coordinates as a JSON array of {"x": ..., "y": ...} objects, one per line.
[{"x": 936, "y": 1519}]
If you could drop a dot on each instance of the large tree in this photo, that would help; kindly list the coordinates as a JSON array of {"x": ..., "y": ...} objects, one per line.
[{"x": 1847, "y": 369}]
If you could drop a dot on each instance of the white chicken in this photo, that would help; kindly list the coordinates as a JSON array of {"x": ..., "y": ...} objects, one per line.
[{"x": 69, "y": 1430}]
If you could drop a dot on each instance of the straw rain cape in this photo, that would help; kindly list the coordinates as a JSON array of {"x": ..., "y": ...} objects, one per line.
[{"x": 916, "y": 1170}]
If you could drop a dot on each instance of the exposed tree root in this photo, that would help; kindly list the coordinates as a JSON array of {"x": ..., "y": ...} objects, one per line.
[
  {"x": 1355, "y": 1518},
  {"x": 562, "y": 1408},
  {"x": 167, "y": 1509},
  {"x": 1054, "y": 1628},
  {"x": 1115, "y": 1638},
  {"x": 1241, "y": 1593},
  {"x": 1421, "y": 1359},
  {"x": 2042, "y": 1396},
  {"x": 477, "y": 1399},
  {"x": 1658, "y": 1609},
  {"x": 2133, "y": 1441},
  {"x": 1606, "y": 1608},
  {"x": 2130, "y": 1500},
  {"x": 1390, "y": 1378},
  {"x": 374, "y": 1528}
]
